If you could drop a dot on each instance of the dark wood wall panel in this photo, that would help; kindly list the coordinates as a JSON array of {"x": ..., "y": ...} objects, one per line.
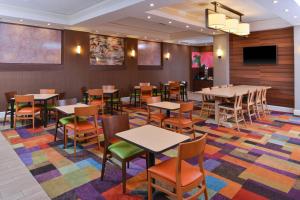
[
  {"x": 280, "y": 76},
  {"x": 76, "y": 72}
]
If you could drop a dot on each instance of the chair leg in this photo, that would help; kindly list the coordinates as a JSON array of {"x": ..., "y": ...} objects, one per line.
[
  {"x": 236, "y": 120},
  {"x": 128, "y": 164},
  {"x": 4, "y": 117},
  {"x": 150, "y": 197},
  {"x": 65, "y": 137},
  {"x": 33, "y": 122},
  {"x": 205, "y": 193},
  {"x": 15, "y": 122},
  {"x": 98, "y": 141},
  {"x": 56, "y": 127},
  {"x": 194, "y": 134},
  {"x": 103, "y": 163},
  {"x": 124, "y": 176},
  {"x": 249, "y": 114},
  {"x": 74, "y": 146}
]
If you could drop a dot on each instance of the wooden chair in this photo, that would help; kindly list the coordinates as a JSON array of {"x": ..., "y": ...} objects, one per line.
[
  {"x": 232, "y": 110},
  {"x": 146, "y": 92},
  {"x": 249, "y": 105},
  {"x": 208, "y": 103},
  {"x": 96, "y": 98},
  {"x": 179, "y": 174},
  {"x": 121, "y": 150},
  {"x": 116, "y": 100},
  {"x": 153, "y": 115},
  {"x": 83, "y": 129},
  {"x": 25, "y": 112},
  {"x": 62, "y": 121},
  {"x": 180, "y": 123},
  {"x": 259, "y": 107},
  {"x": 264, "y": 101},
  {"x": 8, "y": 97},
  {"x": 174, "y": 91}
]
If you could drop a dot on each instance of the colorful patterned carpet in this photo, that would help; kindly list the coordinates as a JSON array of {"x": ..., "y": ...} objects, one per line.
[{"x": 261, "y": 162}]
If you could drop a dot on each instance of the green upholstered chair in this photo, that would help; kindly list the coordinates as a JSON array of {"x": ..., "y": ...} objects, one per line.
[
  {"x": 121, "y": 150},
  {"x": 62, "y": 121}
]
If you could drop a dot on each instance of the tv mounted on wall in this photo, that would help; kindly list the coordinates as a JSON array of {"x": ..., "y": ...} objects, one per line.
[{"x": 260, "y": 55}]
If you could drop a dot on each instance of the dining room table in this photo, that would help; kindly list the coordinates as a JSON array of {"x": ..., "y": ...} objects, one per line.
[
  {"x": 229, "y": 92},
  {"x": 152, "y": 139},
  {"x": 109, "y": 92},
  {"x": 43, "y": 98},
  {"x": 166, "y": 105}
]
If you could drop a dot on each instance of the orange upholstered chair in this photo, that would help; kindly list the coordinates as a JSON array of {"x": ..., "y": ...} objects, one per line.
[
  {"x": 179, "y": 174},
  {"x": 84, "y": 129},
  {"x": 25, "y": 112},
  {"x": 153, "y": 115},
  {"x": 96, "y": 98},
  {"x": 180, "y": 123},
  {"x": 174, "y": 90},
  {"x": 146, "y": 92}
]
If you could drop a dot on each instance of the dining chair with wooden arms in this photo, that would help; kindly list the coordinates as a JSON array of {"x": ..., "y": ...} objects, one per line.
[
  {"x": 146, "y": 92},
  {"x": 8, "y": 97},
  {"x": 121, "y": 150},
  {"x": 207, "y": 104},
  {"x": 84, "y": 130},
  {"x": 62, "y": 121},
  {"x": 155, "y": 114},
  {"x": 27, "y": 112},
  {"x": 174, "y": 91},
  {"x": 96, "y": 98},
  {"x": 249, "y": 105},
  {"x": 181, "y": 123},
  {"x": 232, "y": 110},
  {"x": 180, "y": 174}
]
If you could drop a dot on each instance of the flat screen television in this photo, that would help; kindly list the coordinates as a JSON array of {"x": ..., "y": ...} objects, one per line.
[{"x": 260, "y": 55}]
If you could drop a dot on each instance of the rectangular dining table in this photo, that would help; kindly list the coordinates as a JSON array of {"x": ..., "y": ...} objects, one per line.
[
  {"x": 69, "y": 109},
  {"x": 110, "y": 92},
  {"x": 152, "y": 139},
  {"x": 166, "y": 105},
  {"x": 229, "y": 92},
  {"x": 44, "y": 98}
]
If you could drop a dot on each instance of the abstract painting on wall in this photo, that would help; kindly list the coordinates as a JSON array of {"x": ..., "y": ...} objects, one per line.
[
  {"x": 149, "y": 53},
  {"x": 29, "y": 45},
  {"x": 202, "y": 59},
  {"x": 105, "y": 50}
]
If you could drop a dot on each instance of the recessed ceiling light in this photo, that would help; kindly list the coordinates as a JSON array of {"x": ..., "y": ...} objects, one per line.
[
  {"x": 49, "y": 24},
  {"x": 286, "y": 10},
  {"x": 170, "y": 22},
  {"x": 275, "y": 1},
  {"x": 151, "y": 4},
  {"x": 21, "y": 20},
  {"x": 295, "y": 17},
  {"x": 187, "y": 26},
  {"x": 149, "y": 17}
]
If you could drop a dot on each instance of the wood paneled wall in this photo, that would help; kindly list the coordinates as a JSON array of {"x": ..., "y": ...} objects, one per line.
[
  {"x": 280, "y": 76},
  {"x": 76, "y": 72}
]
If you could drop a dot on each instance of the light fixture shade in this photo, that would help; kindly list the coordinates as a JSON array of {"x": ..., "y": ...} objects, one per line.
[
  {"x": 243, "y": 29},
  {"x": 216, "y": 20},
  {"x": 231, "y": 25}
]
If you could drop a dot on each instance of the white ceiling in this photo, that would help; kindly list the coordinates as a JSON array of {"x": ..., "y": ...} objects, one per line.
[{"x": 129, "y": 17}]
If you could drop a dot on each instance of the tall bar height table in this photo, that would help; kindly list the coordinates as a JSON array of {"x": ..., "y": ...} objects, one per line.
[{"x": 44, "y": 98}]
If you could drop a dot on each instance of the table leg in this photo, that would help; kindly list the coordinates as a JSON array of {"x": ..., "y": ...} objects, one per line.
[
  {"x": 12, "y": 113},
  {"x": 151, "y": 159},
  {"x": 45, "y": 120},
  {"x": 135, "y": 97},
  {"x": 165, "y": 91},
  {"x": 86, "y": 96},
  {"x": 111, "y": 103}
]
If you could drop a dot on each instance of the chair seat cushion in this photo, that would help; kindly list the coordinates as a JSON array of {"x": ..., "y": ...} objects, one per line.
[
  {"x": 167, "y": 170},
  {"x": 124, "y": 149},
  {"x": 81, "y": 125},
  {"x": 157, "y": 116},
  {"x": 97, "y": 103},
  {"x": 176, "y": 121},
  {"x": 28, "y": 110},
  {"x": 66, "y": 120}
]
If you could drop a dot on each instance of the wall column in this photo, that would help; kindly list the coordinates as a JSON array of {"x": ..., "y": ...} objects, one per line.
[
  {"x": 221, "y": 65},
  {"x": 297, "y": 69}
]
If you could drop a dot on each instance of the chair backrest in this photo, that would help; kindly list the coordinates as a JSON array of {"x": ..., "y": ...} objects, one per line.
[
  {"x": 9, "y": 95},
  {"x": 188, "y": 150},
  {"x": 114, "y": 124},
  {"x": 238, "y": 101},
  {"x": 153, "y": 99},
  {"x": 186, "y": 107},
  {"x": 146, "y": 90},
  {"x": 61, "y": 95},
  {"x": 89, "y": 111},
  {"x": 83, "y": 90},
  {"x": 145, "y": 84},
  {"x": 95, "y": 92},
  {"x": 20, "y": 99},
  {"x": 264, "y": 94},
  {"x": 174, "y": 87},
  {"x": 251, "y": 97},
  {"x": 108, "y": 87},
  {"x": 206, "y": 97},
  {"x": 258, "y": 96},
  {"x": 169, "y": 82},
  {"x": 47, "y": 91},
  {"x": 65, "y": 102}
]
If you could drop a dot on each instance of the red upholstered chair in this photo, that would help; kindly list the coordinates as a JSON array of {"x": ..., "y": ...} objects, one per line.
[{"x": 179, "y": 174}]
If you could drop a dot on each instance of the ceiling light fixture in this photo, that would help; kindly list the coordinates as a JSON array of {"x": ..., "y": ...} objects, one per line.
[
  {"x": 275, "y": 1},
  {"x": 220, "y": 22},
  {"x": 151, "y": 4},
  {"x": 295, "y": 17},
  {"x": 170, "y": 22},
  {"x": 286, "y": 10},
  {"x": 149, "y": 17},
  {"x": 187, "y": 26}
]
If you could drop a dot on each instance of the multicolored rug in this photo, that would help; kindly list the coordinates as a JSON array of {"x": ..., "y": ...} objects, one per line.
[{"x": 260, "y": 162}]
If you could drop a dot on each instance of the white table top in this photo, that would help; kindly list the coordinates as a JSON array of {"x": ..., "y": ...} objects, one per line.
[
  {"x": 42, "y": 96},
  {"x": 152, "y": 138},
  {"x": 137, "y": 87},
  {"x": 231, "y": 91},
  {"x": 166, "y": 105},
  {"x": 70, "y": 109},
  {"x": 110, "y": 91}
]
